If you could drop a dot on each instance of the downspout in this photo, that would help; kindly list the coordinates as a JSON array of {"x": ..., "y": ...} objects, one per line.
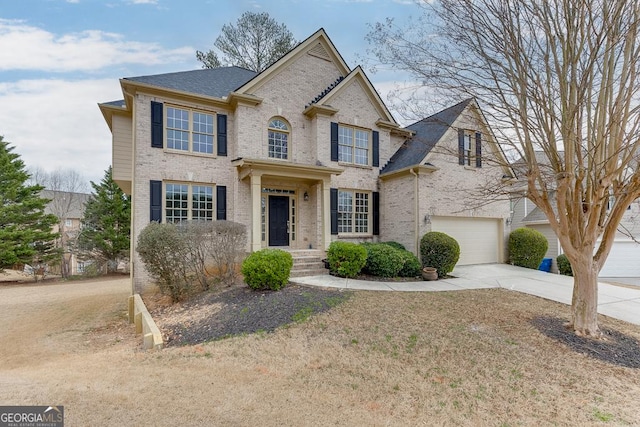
[{"x": 416, "y": 220}]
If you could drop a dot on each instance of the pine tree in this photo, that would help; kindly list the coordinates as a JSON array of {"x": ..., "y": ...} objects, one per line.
[
  {"x": 24, "y": 227},
  {"x": 106, "y": 223}
]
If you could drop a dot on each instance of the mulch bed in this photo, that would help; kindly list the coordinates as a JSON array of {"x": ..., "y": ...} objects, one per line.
[
  {"x": 614, "y": 347},
  {"x": 240, "y": 310}
]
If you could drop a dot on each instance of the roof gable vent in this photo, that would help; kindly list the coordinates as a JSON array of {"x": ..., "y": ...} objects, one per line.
[{"x": 319, "y": 51}]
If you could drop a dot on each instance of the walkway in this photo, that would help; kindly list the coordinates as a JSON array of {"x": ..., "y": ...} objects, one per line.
[{"x": 615, "y": 301}]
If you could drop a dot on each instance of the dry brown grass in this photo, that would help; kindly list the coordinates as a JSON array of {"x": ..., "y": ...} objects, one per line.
[{"x": 469, "y": 358}]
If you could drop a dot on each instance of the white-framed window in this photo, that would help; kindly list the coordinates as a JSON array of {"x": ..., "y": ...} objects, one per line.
[
  {"x": 183, "y": 202},
  {"x": 353, "y": 145},
  {"x": 189, "y": 130},
  {"x": 354, "y": 209},
  {"x": 68, "y": 222},
  {"x": 82, "y": 266},
  {"x": 468, "y": 150},
  {"x": 278, "y": 136}
]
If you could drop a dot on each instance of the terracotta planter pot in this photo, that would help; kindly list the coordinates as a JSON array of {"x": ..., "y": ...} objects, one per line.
[{"x": 429, "y": 273}]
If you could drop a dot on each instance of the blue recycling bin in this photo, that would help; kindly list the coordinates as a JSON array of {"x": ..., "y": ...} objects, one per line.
[{"x": 545, "y": 265}]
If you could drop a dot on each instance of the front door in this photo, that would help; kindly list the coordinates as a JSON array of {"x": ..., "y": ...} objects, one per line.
[{"x": 278, "y": 221}]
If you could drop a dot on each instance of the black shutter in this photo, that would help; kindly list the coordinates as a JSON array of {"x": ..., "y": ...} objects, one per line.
[
  {"x": 156, "y": 124},
  {"x": 333, "y": 202},
  {"x": 376, "y": 213},
  {"x": 461, "y": 146},
  {"x": 334, "y": 142},
  {"x": 478, "y": 150},
  {"x": 376, "y": 148},
  {"x": 221, "y": 202},
  {"x": 156, "y": 201},
  {"x": 222, "y": 134}
]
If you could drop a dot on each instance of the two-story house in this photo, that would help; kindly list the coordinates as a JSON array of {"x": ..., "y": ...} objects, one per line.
[
  {"x": 295, "y": 153},
  {"x": 68, "y": 207}
]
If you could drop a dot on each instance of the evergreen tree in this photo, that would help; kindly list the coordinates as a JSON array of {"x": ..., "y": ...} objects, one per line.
[
  {"x": 106, "y": 223},
  {"x": 24, "y": 227}
]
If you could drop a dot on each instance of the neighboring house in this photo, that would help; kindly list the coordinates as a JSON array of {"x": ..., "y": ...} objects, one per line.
[
  {"x": 625, "y": 252},
  {"x": 297, "y": 153},
  {"x": 69, "y": 208}
]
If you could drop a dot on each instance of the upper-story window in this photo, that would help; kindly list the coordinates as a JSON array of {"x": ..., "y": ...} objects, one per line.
[
  {"x": 278, "y": 139},
  {"x": 353, "y": 145},
  {"x": 469, "y": 148},
  {"x": 189, "y": 130}
]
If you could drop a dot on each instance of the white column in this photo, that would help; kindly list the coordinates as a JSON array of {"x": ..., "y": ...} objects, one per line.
[
  {"x": 326, "y": 213},
  {"x": 256, "y": 211}
]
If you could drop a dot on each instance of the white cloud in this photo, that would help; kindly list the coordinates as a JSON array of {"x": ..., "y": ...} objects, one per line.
[
  {"x": 143, "y": 1},
  {"x": 25, "y": 47},
  {"x": 57, "y": 124}
]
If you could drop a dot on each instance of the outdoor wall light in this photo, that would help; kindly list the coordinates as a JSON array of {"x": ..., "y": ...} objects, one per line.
[{"x": 306, "y": 196}]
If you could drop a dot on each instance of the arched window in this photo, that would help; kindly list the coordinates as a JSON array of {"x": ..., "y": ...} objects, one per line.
[{"x": 278, "y": 139}]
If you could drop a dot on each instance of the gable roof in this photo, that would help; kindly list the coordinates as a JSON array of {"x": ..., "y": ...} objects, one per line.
[
  {"x": 428, "y": 133},
  {"x": 215, "y": 82},
  {"x": 357, "y": 74},
  {"x": 75, "y": 208},
  {"x": 319, "y": 42}
]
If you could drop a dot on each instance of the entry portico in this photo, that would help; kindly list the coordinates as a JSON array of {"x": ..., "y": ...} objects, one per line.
[{"x": 290, "y": 202}]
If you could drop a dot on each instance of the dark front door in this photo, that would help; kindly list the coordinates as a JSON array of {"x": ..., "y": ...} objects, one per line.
[{"x": 278, "y": 221}]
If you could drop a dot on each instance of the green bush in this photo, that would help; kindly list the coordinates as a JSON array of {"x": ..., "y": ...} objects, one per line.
[
  {"x": 395, "y": 245},
  {"x": 346, "y": 259},
  {"x": 267, "y": 269},
  {"x": 411, "y": 266},
  {"x": 165, "y": 255},
  {"x": 383, "y": 260},
  {"x": 527, "y": 247},
  {"x": 439, "y": 250},
  {"x": 564, "y": 266}
]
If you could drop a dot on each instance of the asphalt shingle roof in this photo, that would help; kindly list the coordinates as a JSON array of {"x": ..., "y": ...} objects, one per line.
[
  {"x": 216, "y": 82},
  {"x": 428, "y": 131}
]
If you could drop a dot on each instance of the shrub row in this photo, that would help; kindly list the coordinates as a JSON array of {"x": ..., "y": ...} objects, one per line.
[{"x": 387, "y": 259}]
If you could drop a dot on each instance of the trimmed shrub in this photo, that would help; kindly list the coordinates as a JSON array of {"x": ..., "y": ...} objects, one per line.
[
  {"x": 527, "y": 247},
  {"x": 165, "y": 255},
  {"x": 267, "y": 269},
  {"x": 383, "y": 260},
  {"x": 564, "y": 266},
  {"x": 395, "y": 245},
  {"x": 411, "y": 266},
  {"x": 439, "y": 250},
  {"x": 346, "y": 259}
]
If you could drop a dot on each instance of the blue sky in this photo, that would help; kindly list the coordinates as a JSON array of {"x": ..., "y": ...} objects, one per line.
[{"x": 59, "y": 58}]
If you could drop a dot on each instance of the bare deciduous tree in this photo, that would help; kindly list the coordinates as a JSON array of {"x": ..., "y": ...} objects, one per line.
[
  {"x": 254, "y": 43},
  {"x": 66, "y": 188},
  {"x": 555, "y": 76}
]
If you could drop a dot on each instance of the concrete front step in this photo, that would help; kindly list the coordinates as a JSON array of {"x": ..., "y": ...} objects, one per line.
[
  {"x": 311, "y": 272},
  {"x": 307, "y": 262}
]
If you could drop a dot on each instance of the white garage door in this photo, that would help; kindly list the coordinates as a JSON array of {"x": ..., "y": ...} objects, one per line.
[
  {"x": 479, "y": 238},
  {"x": 623, "y": 260}
]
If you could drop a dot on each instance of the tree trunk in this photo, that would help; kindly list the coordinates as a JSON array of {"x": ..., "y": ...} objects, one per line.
[{"x": 584, "y": 304}]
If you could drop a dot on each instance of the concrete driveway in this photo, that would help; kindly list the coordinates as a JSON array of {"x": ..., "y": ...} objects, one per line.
[
  {"x": 619, "y": 302},
  {"x": 631, "y": 281}
]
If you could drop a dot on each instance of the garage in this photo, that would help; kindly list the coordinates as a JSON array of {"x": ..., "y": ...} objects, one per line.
[
  {"x": 479, "y": 238},
  {"x": 623, "y": 260}
]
